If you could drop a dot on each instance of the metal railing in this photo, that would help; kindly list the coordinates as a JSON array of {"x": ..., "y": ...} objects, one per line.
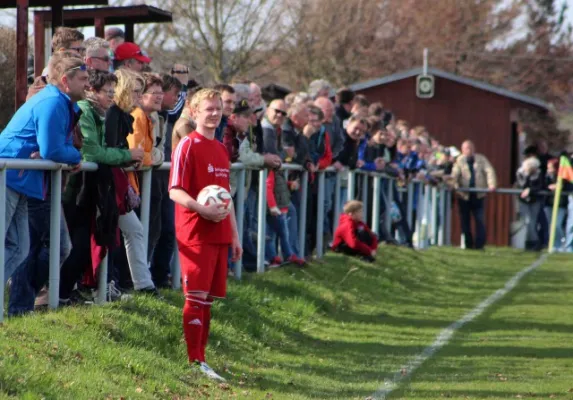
[
  {"x": 56, "y": 199},
  {"x": 428, "y": 211}
]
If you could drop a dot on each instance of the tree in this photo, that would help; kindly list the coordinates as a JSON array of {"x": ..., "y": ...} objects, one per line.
[
  {"x": 345, "y": 42},
  {"x": 220, "y": 39},
  {"x": 7, "y": 73}
]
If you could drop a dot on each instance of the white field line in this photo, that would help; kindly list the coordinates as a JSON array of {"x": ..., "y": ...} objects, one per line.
[{"x": 446, "y": 334}]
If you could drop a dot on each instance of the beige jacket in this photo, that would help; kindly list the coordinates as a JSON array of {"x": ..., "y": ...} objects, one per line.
[{"x": 484, "y": 175}]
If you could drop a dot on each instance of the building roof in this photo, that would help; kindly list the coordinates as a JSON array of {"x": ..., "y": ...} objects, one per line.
[
  {"x": 139, "y": 14},
  {"x": 453, "y": 77},
  {"x": 50, "y": 3}
]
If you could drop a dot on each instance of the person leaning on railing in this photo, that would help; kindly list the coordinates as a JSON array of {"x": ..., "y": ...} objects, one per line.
[
  {"x": 529, "y": 178},
  {"x": 472, "y": 170},
  {"x": 118, "y": 126},
  {"x": 42, "y": 128},
  {"x": 93, "y": 193}
]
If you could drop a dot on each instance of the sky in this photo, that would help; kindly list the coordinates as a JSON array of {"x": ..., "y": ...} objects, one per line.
[{"x": 8, "y": 18}]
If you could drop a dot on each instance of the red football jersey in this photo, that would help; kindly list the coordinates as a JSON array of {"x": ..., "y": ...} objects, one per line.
[{"x": 198, "y": 162}]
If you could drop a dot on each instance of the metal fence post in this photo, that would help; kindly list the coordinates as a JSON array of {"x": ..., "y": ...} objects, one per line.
[
  {"x": 442, "y": 217},
  {"x": 320, "y": 215},
  {"x": 337, "y": 190},
  {"x": 410, "y": 206},
  {"x": 448, "y": 218},
  {"x": 302, "y": 216},
  {"x": 145, "y": 205},
  {"x": 389, "y": 201},
  {"x": 2, "y": 237},
  {"x": 55, "y": 229},
  {"x": 426, "y": 219},
  {"x": 239, "y": 216},
  {"x": 434, "y": 215},
  {"x": 376, "y": 203},
  {"x": 102, "y": 281},
  {"x": 365, "y": 191},
  {"x": 175, "y": 267},
  {"x": 351, "y": 185},
  {"x": 262, "y": 221}
]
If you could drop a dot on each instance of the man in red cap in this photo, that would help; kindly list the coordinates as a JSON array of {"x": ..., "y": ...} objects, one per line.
[{"x": 128, "y": 55}]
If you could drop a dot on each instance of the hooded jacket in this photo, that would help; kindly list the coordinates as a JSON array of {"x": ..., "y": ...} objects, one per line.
[
  {"x": 347, "y": 233},
  {"x": 44, "y": 124}
]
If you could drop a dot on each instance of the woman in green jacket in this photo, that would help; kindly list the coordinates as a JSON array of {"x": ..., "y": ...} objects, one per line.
[
  {"x": 92, "y": 123},
  {"x": 94, "y": 149}
]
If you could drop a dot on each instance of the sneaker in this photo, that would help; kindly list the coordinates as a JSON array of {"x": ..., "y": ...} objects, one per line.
[
  {"x": 76, "y": 298},
  {"x": 209, "y": 373},
  {"x": 276, "y": 262},
  {"x": 151, "y": 291},
  {"x": 42, "y": 298},
  {"x": 113, "y": 293},
  {"x": 294, "y": 259}
]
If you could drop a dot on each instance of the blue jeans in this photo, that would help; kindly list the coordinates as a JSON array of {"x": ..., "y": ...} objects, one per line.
[
  {"x": 33, "y": 274},
  {"x": 329, "y": 187},
  {"x": 559, "y": 233},
  {"x": 165, "y": 246},
  {"x": 543, "y": 225},
  {"x": 250, "y": 222},
  {"x": 530, "y": 211},
  {"x": 17, "y": 244},
  {"x": 569, "y": 226},
  {"x": 292, "y": 220},
  {"x": 277, "y": 225}
]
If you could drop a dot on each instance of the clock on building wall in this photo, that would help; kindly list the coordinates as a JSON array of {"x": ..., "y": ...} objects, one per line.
[{"x": 425, "y": 86}]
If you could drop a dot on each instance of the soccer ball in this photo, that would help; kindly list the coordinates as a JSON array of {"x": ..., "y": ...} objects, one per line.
[{"x": 215, "y": 194}]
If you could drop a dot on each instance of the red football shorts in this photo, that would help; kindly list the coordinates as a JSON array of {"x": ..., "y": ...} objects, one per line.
[{"x": 204, "y": 268}]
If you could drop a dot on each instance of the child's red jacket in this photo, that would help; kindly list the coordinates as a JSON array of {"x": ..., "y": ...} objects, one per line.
[{"x": 346, "y": 232}]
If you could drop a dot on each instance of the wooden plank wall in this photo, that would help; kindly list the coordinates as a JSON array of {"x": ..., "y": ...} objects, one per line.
[{"x": 456, "y": 113}]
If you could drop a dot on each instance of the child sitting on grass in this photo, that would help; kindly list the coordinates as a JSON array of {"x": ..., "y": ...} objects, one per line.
[{"x": 352, "y": 236}]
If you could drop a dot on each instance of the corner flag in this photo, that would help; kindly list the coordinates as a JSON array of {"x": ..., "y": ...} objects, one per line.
[{"x": 565, "y": 173}]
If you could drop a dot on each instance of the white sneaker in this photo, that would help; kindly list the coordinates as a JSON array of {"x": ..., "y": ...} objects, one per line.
[
  {"x": 113, "y": 293},
  {"x": 205, "y": 369}
]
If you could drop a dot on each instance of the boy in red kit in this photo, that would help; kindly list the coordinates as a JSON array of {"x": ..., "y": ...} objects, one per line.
[
  {"x": 204, "y": 232},
  {"x": 352, "y": 236}
]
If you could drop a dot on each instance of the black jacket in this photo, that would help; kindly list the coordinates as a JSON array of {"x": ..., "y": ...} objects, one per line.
[
  {"x": 534, "y": 182},
  {"x": 567, "y": 187},
  {"x": 118, "y": 125},
  {"x": 349, "y": 154}
]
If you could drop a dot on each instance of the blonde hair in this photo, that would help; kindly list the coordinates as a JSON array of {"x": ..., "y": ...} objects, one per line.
[
  {"x": 204, "y": 94},
  {"x": 531, "y": 163},
  {"x": 352, "y": 206},
  {"x": 63, "y": 63},
  {"x": 127, "y": 81}
]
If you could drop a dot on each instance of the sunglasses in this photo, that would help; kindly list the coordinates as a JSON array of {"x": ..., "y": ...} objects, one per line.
[
  {"x": 281, "y": 112},
  {"x": 78, "y": 49},
  {"x": 82, "y": 67}
]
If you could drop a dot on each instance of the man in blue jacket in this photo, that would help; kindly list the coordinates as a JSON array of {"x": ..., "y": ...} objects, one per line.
[{"x": 41, "y": 128}]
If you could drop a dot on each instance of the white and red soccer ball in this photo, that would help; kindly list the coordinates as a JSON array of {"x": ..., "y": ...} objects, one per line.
[{"x": 215, "y": 194}]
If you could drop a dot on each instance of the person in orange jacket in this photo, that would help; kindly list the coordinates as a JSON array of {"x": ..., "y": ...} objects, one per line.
[{"x": 352, "y": 236}]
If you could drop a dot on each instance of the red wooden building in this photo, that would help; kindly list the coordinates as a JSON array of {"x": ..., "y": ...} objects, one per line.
[{"x": 461, "y": 109}]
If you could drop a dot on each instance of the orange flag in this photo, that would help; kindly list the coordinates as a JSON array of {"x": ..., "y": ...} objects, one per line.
[{"x": 565, "y": 169}]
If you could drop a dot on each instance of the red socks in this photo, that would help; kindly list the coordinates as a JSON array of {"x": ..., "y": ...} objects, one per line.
[
  {"x": 196, "y": 321},
  {"x": 206, "y": 326}
]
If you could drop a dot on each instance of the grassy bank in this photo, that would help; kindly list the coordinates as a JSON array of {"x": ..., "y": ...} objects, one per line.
[{"x": 332, "y": 331}]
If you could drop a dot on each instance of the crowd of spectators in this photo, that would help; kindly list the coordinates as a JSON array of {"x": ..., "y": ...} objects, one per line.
[{"x": 98, "y": 100}]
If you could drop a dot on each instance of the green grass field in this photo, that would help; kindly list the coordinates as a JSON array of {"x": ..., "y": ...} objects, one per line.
[{"x": 335, "y": 330}]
